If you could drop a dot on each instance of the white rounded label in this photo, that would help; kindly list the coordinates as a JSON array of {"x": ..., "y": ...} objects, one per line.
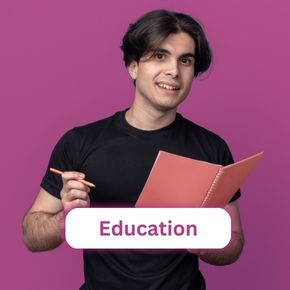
[{"x": 148, "y": 228}]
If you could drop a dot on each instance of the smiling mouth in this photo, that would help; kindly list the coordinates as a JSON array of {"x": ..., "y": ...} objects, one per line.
[{"x": 168, "y": 87}]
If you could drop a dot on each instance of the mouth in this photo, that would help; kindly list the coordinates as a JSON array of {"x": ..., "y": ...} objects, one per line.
[{"x": 169, "y": 87}]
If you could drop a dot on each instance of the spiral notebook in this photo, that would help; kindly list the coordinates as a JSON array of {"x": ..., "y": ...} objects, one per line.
[{"x": 177, "y": 181}]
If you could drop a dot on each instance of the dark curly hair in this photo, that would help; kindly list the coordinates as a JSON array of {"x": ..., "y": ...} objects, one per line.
[{"x": 150, "y": 30}]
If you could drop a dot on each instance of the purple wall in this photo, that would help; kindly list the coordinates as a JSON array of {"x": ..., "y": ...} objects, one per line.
[{"x": 60, "y": 66}]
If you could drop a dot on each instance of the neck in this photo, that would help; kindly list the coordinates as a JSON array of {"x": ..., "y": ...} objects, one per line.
[{"x": 149, "y": 120}]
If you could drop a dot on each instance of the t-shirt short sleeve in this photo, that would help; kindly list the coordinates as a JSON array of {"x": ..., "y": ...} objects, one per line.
[
  {"x": 226, "y": 158},
  {"x": 63, "y": 157}
]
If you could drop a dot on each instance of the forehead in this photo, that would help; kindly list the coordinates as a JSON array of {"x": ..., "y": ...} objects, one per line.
[{"x": 178, "y": 44}]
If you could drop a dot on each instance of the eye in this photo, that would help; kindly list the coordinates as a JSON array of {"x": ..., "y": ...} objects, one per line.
[
  {"x": 187, "y": 61},
  {"x": 159, "y": 56}
]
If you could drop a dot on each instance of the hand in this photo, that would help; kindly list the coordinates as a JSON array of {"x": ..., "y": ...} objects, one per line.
[{"x": 74, "y": 194}]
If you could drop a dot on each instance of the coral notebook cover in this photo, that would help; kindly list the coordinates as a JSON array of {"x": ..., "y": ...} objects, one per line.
[{"x": 177, "y": 181}]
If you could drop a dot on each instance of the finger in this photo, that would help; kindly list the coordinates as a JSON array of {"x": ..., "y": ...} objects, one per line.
[
  {"x": 68, "y": 175},
  {"x": 73, "y": 194},
  {"x": 76, "y": 203},
  {"x": 75, "y": 184}
]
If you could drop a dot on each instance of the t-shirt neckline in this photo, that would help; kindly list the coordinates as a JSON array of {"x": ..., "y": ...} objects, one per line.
[{"x": 139, "y": 132}]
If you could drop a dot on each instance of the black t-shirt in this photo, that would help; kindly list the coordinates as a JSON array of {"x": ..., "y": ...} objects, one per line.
[{"x": 118, "y": 158}]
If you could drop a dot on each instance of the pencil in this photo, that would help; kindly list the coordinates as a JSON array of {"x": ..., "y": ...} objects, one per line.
[{"x": 80, "y": 180}]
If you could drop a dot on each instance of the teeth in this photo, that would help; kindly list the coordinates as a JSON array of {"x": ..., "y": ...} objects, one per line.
[{"x": 167, "y": 87}]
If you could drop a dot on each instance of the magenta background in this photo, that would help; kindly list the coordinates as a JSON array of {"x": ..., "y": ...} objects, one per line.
[{"x": 60, "y": 66}]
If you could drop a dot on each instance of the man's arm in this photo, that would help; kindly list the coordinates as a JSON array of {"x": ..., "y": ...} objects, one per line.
[
  {"x": 43, "y": 224},
  {"x": 233, "y": 250}
]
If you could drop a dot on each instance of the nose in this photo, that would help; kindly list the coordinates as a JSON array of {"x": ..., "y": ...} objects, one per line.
[{"x": 172, "y": 68}]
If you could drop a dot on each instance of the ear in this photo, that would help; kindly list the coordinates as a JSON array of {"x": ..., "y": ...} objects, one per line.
[{"x": 133, "y": 69}]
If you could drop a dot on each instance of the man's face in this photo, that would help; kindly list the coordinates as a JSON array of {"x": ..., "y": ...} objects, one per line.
[{"x": 164, "y": 77}]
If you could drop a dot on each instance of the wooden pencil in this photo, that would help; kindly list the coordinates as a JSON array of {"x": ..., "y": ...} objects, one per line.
[{"x": 85, "y": 182}]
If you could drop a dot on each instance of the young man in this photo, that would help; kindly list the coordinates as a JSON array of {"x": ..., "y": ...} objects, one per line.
[{"x": 163, "y": 52}]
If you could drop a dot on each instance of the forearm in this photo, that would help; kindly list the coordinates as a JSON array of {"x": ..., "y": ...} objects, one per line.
[
  {"x": 225, "y": 256},
  {"x": 43, "y": 231}
]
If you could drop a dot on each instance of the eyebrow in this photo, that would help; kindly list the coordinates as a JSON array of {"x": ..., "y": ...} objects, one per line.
[{"x": 162, "y": 50}]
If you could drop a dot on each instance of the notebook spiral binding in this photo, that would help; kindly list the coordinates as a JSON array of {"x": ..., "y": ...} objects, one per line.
[{"x": 212, "y": 187}]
